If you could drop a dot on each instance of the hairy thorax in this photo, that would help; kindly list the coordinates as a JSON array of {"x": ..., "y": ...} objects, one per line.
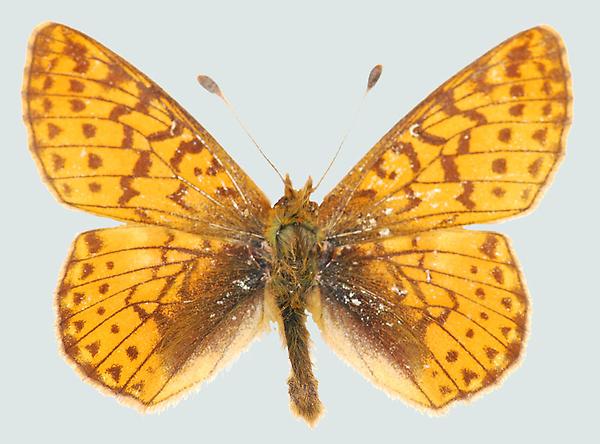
[{"x": 294, "y": 241}]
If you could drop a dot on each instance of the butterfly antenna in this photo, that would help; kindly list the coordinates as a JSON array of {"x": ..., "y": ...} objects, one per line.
[
  {"x": 371, "y": 82},
  {"x": 211, "y": 86}
]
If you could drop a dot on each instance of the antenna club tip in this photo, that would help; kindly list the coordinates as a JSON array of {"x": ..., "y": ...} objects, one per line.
[
  {"x": 209, "y": 84},
  {"x": 374, "y": 76}
]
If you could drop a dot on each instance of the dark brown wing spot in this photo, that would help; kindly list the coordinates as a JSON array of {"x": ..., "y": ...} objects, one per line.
[
  {"x": 116, "y": 74},
  {"x": 445, "y": 390},
  {"x": 58, "y": 162},
  {"x": 489, "y": 246},
  {"x": 483, "y": 315},
  {"x": 93, "y": 242},
  {"x": 541, "y": 67},
  {"x": 452, "y": 356},
  {"x": 94, "y": 161},
  {"x": 547, "y": 109},
  {"x": 101, "y": 310},
  {"x": 143, "y": 314},
  {"x": 513, "y": 350},
  {"x": 491, "y": 353},
  {"x": 179, "y": 197},
  {"x": 499, "y": 165},
  {"x": 474, "y": 269},
  {"x": 224, "y": 192},
  {"x": 94, "y": 187},
  {"x": 367, "y": 193},
  {"x": 127, "y": 141},
  {"x": 93, "y": 348},
  {"x": 115, "y": 372},
  {"x": 498, "y": 191},
  {"x": 498, "y": 275},
  {"x": 86, "y": 270},
  {"x": 110, "y": 265},
  {"x": 88, "y": 130},
  {"x": 465, "y": 197},
  {"x": 409, "y": 151},
  {"x": 378, "y": 169},
  {"x": 480, "y": 293},
  {"x": 103, "y": 289},
  {"x": 77, "y": 52},
  {"x": 214, "y": 167},
  {"x": 76, "y": 86},
  {"x": 143, "y": 164},
  {"x": 516, "y": 110},
  {"x": 78, "y": 298},
  {"x": 77, "y": 105},
  {"x": 132, "y": 352},
  {"x": 504, "y": 135},
  {"x": 470, "y": 333},
  {"x": 476, "y": 116},
  {"x": 48, "y": 82},
  {"x": 540, "y": 135},
  {"x": 118, "y": 111},
  {"x": 53, "y": 130},
  {"x": 78, "y": 325},
  {"x": 128, "y": 191},
  {"x": 464, "y": 143},
  {"x": 114, "y": 329},
  {"x": 66, "y": 189},
  {"x": 192, "y": 147},
  {"x": 534, "y": 167},
  {"x": 517, "y": 91},
  {"x": 450, "y": 168},
  {"x": 512, "y": 70},
  {"x": 547, "y": 88},
  {"x": 507, "y": 303},
  {"x": 137, "y": 387},
  {"x": 468, "y": 375},
  {"x": 47, "y": 104},
  {"x": 519, "y": 53}
]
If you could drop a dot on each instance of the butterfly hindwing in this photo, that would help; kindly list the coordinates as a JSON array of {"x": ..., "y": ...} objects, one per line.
[
  {"x": 148, "y": 312},
  {"x": 433, "y": 317},
  {"x": 110, "y": 141},
  {"x": 480, "y": 148}
]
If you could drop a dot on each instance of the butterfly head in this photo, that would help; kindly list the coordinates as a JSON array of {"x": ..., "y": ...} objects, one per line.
[
  {"x": 294, "y": 209},
  {"x": 295, "y": 205}
]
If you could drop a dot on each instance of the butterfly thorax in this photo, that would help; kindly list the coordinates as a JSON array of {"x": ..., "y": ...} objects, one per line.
[
  {"x": 295, "y": 243},
  {"x": 294, "y": 240}
]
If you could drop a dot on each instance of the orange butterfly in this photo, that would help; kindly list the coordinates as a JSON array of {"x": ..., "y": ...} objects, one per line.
[{"x": 426, "y": 310}]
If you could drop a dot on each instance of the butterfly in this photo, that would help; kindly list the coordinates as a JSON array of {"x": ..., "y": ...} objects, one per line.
[{"x": 426, "y": 310}]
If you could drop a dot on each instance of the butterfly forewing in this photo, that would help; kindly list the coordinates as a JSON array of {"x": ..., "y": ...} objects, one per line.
[
  {"x": 110, "y": 141},
  {"x": 147, "y": 312},
  {"x": 480, "y": 148}
]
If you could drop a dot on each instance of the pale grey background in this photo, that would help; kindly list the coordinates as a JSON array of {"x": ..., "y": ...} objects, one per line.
[{"x": 295, "y": 74}]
